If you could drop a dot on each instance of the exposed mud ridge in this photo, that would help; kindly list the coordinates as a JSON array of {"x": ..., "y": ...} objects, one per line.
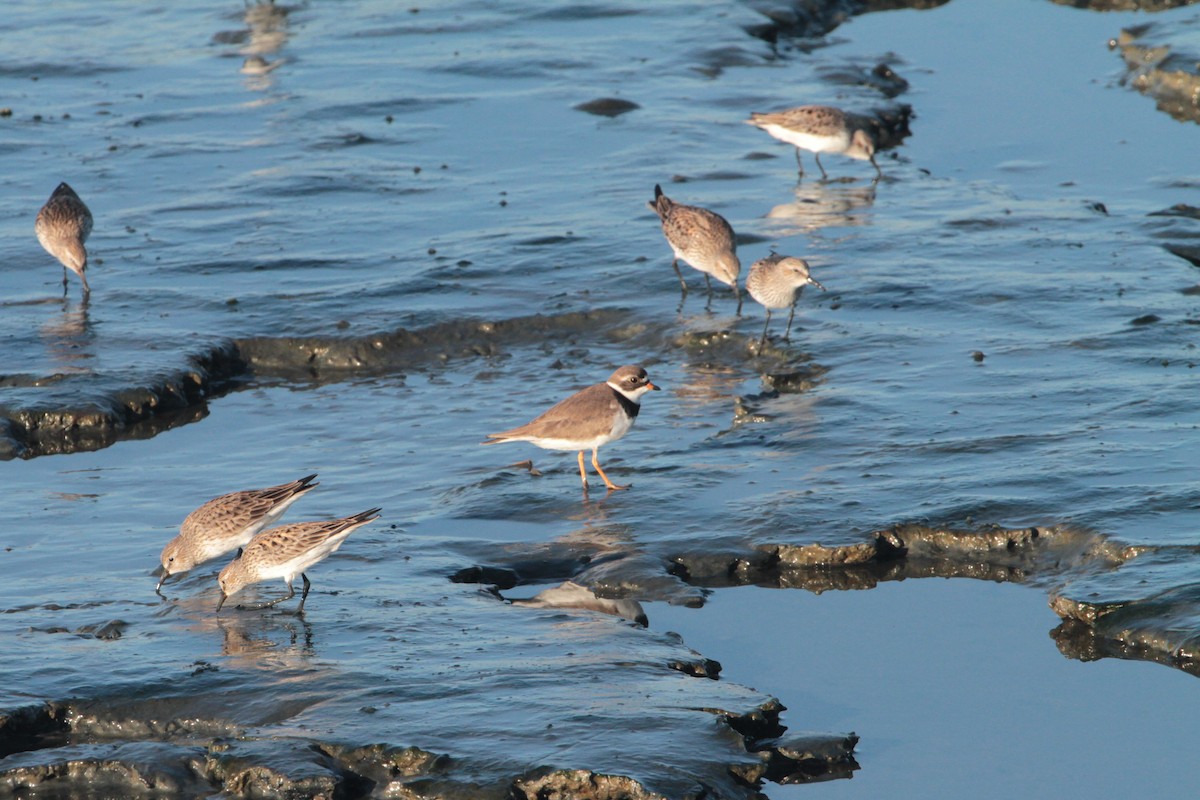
[
  {"x": 66, "y": 423},
  {"x": 1161, "y": 70},
  {"x": 1042, "y": 556},
  {"x": 1047, "y": 556},
  {"x": 556, "y": 700},
  {"x": 1126, "y": 5},
  {"x": 160, "y": 403},
  {"x": 284, "y": 767},
  {"x": 1148, "y": 611},
  {"x": 803, "y": 19},
  {"x": 323, "y": 358}
]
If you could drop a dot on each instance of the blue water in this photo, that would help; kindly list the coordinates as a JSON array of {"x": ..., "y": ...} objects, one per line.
[{"x": 401, "y": 168}]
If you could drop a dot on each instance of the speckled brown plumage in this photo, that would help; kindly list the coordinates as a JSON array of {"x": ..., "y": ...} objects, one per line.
[
  {"x": 702, "y": 238},
  {"x": 777, "y": 282},
  {"x": 63, "y": 225},
  {"x": 820, "y": 129},
  {"x": 285, "y": 552},
  {"x": 228, "y": 522}
]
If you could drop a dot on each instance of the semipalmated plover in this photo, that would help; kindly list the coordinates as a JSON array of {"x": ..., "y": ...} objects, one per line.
[
  {"x": 226, "y": 523},
  {"x": 820, "y": 129},
  {"x": 285, "y": 552},
  {"x": 595, "y": 416},
  {"x": 702, "y": 238},
  {"x": 63, "y": 225}
]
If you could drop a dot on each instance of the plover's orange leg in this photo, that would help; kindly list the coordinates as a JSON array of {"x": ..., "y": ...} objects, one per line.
[
  {"x": 600, "y": 472},
  {"x": 582, "y": 471}
]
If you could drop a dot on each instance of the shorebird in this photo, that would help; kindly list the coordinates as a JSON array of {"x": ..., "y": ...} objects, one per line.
[
  {"x": 595, "y": 416},
  {"x": 776, "y": 282},
  {"x": 226, "y": 523},
  {"x": 63, "y": 225},
  {"x": 702, "y": 238},
  {"x": 285, "y": 552},
  {"x": 820, "y": 129}
]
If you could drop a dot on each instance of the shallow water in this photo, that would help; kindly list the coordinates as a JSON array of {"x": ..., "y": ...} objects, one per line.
[
  {"x": 954, "y": 687},
  {"x": 429, "y": 167}
]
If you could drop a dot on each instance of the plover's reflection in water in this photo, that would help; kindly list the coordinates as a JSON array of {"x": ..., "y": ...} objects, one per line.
[
  {"x": 571, "y": 595},
  {"x": 818, "y": 205},
  {"x": 68, "y": 337}
]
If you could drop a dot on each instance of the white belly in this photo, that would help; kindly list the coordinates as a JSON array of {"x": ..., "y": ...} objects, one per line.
[
  {"x": 806, "y": 141},
  {"x": 621, "y": 425}
]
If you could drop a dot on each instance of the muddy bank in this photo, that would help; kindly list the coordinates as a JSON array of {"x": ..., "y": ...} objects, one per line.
[
  {"x": 1142, "y": 613},
  {"x": 1117, "y": 601},
  {"x": 216, "y": 731},
  {"x": 800, "y": 20},
  {"x": 61, "y": 418},
  {"x": 73, "y": 420},
  {"x": 1047, "y": 556},
  {"x": 1159, "y": 66}
]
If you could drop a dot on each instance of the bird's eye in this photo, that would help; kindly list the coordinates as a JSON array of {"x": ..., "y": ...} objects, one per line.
[{"x": 170, "y": 558}]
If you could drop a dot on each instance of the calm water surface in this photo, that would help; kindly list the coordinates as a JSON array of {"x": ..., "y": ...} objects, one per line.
[{"x": 409, "y": 167}]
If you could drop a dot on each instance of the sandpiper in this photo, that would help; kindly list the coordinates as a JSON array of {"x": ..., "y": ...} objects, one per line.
[
  {"x": 63, "y": 225},
  {"x": 227, "y": 523},
  {"x": 820, "y": 129},
  {"x": 776, "y": 282},
  {"x": 702, "y": 238},
  {"x": 595, "y": 416},
  {"x": 285, "y": 552}
]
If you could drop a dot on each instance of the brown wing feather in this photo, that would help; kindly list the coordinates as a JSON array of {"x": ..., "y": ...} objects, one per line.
[
  {"x": 687, "y": 222},
  {"x": 583, "y": 415},
  {"x": 289, "y": 541},
  {"x": 234, "y": 511}
]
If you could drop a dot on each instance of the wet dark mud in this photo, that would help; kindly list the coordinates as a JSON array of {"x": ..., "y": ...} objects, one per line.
[
  {"x": 802, "y": 21},
  {"x": 167, "y": 742},
  {"x": 166, "y": 401},
  {"x": 471, "y": 649},
  {"x": 56, "y": 414},
  {"x": 1163, "y": 62},
  {"x": 1142, "y": 613},
  {"x": 63, "y": 417}
]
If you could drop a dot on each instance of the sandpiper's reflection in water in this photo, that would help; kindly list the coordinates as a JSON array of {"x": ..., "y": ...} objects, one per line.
[
  {"x": 818, "y": 205},
  {"x": 268, "y": 25},
  {"x": 257, "y": 71},
  {"x": 275, "y": 641},
  {"x": 69, "y": 338}
]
